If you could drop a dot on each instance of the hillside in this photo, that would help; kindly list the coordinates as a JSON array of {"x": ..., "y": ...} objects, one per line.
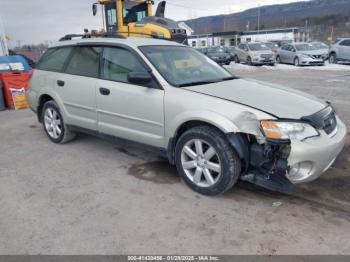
[{"x": 319, "y": 14}]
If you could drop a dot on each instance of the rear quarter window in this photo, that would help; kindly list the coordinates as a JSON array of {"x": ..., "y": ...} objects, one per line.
[{"x": 54, "y": 59}]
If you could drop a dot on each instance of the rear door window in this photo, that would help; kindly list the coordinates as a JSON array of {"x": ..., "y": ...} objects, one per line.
[
  {"x": 85, "y": 62},
  {"x": 54, "y": 59}
]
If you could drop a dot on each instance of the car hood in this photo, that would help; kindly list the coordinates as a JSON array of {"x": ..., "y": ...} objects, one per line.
[
  {"x": 313, "y": 52},
  {"x": 262, "y": 52},
  {"x": 276, "y": 100},
  {"x": 218, "y": 54}
]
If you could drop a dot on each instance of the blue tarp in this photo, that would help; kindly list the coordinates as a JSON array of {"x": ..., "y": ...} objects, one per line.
[{"x": 13, "y": 63}]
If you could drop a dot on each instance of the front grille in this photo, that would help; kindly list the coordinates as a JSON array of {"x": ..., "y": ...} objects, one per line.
[
  {"x": 316, "y": 56},
  {"x": 324, "y": 120},
  {"x": 266, "y": 56}
]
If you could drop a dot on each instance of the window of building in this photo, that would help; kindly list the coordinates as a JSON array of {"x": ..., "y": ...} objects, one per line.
[
  {"x": 203, "y": 43},
  {"x": 194, "y": 43},
  {"x": 232, "y": 42},
  {"x": 222, "y": 42},
  {"x": 84, "y": 61}
]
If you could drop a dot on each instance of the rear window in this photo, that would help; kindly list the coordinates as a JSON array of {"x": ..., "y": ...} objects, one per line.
[
  {"x": 84, "y": 62},
  {"x": 54, "y": 59}
]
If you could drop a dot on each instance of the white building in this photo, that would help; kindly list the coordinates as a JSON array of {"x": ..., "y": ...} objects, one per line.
[
  {"x": 188, "y": 29},
  {"x": 3, "y": 43},
  {"x": 234, "y": 38}
]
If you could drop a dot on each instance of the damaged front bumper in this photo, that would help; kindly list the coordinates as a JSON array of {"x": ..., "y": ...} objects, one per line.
[
  {"x": 278, "y": 165},
  {"x": 310, "y": 158}
]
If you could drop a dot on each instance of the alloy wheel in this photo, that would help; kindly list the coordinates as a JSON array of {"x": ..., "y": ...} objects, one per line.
[
  {"x": 201, "y": 163},
  {"x": 53, "y": 123}
]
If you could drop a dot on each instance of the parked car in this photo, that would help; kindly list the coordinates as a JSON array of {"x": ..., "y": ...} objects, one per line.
[
  {"x": 340, "y": 51},
  {"x": 273, "y": 46},
  {"x": 322, "y": 47},
  {"x": 214, "y": 127},
  {"x": 231, "y": 50},
  {"x": 219, "y": 55},
  {"x": 254, "y": 54},
  {"x": 300, "y": 54}
]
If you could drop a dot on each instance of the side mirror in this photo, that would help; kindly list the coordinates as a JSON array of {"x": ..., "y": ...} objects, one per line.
[
  {"x": 139, "y": 78},
  {"x": 94, "y": 9}
]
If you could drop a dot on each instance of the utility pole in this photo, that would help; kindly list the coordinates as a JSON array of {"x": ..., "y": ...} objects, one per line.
[{"x": 259, "y": 18}]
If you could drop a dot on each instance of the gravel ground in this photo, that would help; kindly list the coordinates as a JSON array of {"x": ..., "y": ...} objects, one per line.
[{"x": 95, "y": 197}]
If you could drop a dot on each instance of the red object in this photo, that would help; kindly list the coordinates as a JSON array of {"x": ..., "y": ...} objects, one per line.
[{"x": 16, "y": 80}]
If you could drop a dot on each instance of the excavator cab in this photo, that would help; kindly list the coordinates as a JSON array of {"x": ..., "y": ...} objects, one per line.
[{"x": 134, "y": 18}]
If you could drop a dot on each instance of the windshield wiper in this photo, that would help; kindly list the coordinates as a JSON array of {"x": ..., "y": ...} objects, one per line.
[
  {"x": 229, "y": 78},
  {"x": 198, "y": 83},
  {"x": 208, "y": 82}
]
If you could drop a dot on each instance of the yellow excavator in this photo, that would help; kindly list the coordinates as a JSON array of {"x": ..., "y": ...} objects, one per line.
[{"x": 134, "y": 18}]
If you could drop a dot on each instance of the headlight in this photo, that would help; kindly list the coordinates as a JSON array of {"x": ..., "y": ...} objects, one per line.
[
  {"x": 305, "y": 56},
  {"x": 214, "y": 57},
  {"x": 288, "y": 130}
]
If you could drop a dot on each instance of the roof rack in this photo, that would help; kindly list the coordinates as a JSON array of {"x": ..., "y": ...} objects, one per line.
[{"x": 92, "y": 35}]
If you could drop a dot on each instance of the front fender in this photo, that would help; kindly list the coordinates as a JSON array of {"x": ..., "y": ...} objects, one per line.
[{"x": 224, "y": 124}]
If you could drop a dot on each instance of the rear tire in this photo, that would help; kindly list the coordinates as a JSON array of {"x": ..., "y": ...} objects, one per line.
[
  {"x": 206, "y": 161},
  {"x": 54, "y": 125},
  {"x": 333, "y": 58}
]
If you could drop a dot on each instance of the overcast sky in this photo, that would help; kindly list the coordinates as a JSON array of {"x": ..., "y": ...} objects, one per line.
[{"x": 36, "y": 21}]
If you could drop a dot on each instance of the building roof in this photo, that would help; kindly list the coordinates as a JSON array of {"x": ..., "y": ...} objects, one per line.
[{"x": 255, "y": 32}]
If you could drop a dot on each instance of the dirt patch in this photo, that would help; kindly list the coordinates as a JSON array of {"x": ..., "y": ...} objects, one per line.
[
  {"x": 33, "y": 126},
  {"x": 159, "y": 172}
]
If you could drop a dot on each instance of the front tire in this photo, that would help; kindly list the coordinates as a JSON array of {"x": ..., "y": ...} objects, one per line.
[
  {"x": 206, "y": 161},
  {"x": 296, "y": 61},
  {"x": 249, "y": 61},
  {"x": 278, "y": 59},
  {"x": 333, "y": 58},
  {"x": 54, "y": 125}
]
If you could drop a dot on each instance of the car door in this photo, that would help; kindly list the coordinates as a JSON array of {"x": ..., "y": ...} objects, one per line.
[
  {"x": 344, "y": 50},
  {"x": 283, "y": 53},
  {"x": 125, "y": 110},
  {"x": 240, "y": 52},
  {"x": 288, "y": 54},
  {"x": 74, "y": 91},
  {"x": 76, "y": 87}
]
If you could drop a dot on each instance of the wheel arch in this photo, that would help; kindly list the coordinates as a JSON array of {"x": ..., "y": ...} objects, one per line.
[
  {"x": 237, "y": 140},
  {"x": 43, "y": 98}
]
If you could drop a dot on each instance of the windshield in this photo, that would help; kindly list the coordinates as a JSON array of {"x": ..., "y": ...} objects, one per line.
[
  {"x": 305, "y": 47},
  {"x": 320, "y": 45},
  {"x": 133, "y": 12},
  {"x": 184, "y": 66},
  {"x": 272, "y": 45},
  {"x": 258, "y": 47}
]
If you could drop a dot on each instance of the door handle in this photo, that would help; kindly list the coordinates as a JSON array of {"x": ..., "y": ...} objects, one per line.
[
  {"x": 60, "y": 83},
  {"x": 105, "y": 91}
]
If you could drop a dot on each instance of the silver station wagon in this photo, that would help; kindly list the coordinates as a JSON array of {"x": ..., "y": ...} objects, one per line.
[{"x": 214, "y": 127}]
